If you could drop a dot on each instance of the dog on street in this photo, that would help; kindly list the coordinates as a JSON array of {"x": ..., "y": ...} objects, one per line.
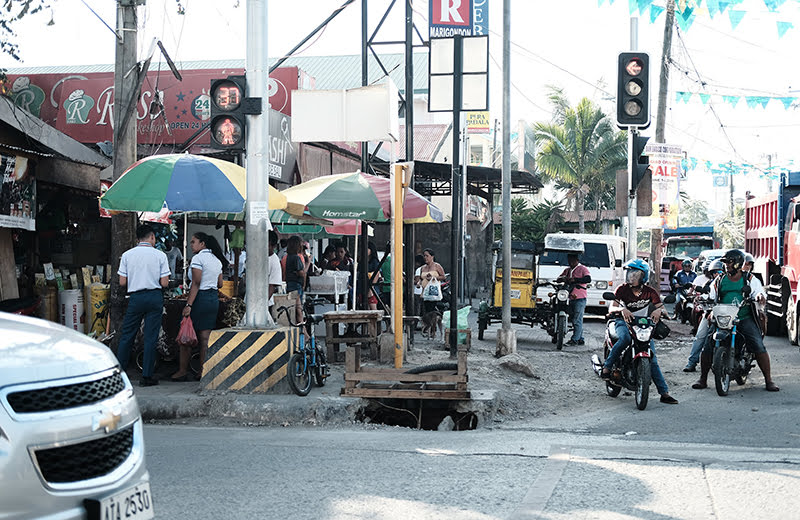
[{"x": 432, "y": 325}]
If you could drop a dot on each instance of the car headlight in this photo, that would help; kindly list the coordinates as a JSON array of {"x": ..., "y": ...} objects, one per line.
[
  {"x": 562, "y": 295},
  {"x": 643, "y": 333},
  {"x": 724, "y": 321},
  {"x": 601, "y": 285}
]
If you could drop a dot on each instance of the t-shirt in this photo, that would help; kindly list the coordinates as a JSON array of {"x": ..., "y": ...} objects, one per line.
[
  {"x": 635, "y": 303},
  {"x": 682, "y": 277},
  {"x": 173, "y": 255},
  {"x": 210, "y": 268},
  {"x": 143, "y": 266},
  {"x": 731, "y": 292},
  {"x": 386, "y": 273},
  {"x": 293, "y": 264},
  {"x": 579, "y": 290},
  {"x": 275, "y": 275},
  {"x": 418, "y": 288}
]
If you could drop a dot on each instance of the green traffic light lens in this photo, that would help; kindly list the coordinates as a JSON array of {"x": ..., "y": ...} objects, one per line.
[{"x": 633, "y": 107}]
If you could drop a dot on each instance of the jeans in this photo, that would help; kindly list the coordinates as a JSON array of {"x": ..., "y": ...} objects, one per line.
[
  {"x": 699, "y": 341},
  {"x": 576, "y": 308},
  {"x": 148, "y": 305},
  {"x": 624, "y": 340}
]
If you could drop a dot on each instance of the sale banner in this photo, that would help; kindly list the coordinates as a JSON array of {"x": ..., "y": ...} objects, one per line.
[{"x": 665, "y": 165}]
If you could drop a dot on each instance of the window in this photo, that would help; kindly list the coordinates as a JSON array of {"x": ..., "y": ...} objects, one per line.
[{"x": 595, "y": 255}]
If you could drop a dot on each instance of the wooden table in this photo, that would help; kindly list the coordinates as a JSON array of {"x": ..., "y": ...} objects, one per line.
[{"x": 362, "y": 329}]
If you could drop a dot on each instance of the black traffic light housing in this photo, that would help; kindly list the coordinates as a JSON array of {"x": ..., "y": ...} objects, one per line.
[
  {"x": 633, "y": 90},
  {"x": 641, "y": 162},
  {"x": 229, "y": 105}
]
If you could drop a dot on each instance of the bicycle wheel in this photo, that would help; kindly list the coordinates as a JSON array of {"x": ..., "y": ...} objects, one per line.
[{"x": 299, "y": 374}]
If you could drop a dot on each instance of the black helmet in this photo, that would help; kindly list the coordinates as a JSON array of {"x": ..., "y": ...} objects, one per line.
[{"x": 734, "y": 259}]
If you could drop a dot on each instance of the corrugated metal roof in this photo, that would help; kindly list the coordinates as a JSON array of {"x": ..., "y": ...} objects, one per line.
[
  {"x": 427, "y": 141},
  {"x": 330, "y": 72}
]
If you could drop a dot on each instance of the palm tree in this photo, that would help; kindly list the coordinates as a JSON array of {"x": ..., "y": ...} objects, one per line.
[{"x": 580, "y": 149}]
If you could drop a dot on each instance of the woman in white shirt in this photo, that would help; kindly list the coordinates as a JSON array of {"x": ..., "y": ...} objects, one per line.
[{"x": 202, "y": 304}]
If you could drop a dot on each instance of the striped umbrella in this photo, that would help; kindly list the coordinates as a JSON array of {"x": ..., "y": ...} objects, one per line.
[
  {"x": 356, "y": 196},
  {"x": 182, "y": 182}
]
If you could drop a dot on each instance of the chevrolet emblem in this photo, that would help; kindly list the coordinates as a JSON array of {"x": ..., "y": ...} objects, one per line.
[{"x": 107, "y": 420}]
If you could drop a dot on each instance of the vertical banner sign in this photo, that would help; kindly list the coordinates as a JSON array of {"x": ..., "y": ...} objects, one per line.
[
  {"x": 665, "y": 164},
  {"x": 464, "y": 17},
  {"x": 478, "y": 122},
  {"x": 17, "y": 194}
]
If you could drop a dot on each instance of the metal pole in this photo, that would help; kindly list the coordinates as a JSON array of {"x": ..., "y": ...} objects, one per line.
[
  {"x": 410, "y": 230},
  {"x": 364, "y": 78},
  {"x": 464, "y": 164},
  {"x": 455, "y": 192},
  {"x": 257, "y": 163},
  {"x": 632, "y": 246},
  {"x": 506, "y": 166}
]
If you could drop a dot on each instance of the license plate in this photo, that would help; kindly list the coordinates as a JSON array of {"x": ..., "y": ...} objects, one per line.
[
  {"x": 515, "y": 294},
  {"x": 134, "y": 503}
]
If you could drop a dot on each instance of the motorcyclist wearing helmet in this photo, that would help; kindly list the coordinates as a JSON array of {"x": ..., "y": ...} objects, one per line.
[
  {"x": 703, "y": 284},
  {"x": 682, "y": 277},
  {"x": 729, "y": 288},
  {"x": 629, "y": 297}
]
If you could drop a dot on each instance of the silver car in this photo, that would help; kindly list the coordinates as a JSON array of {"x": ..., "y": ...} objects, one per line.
[{"x": 71, "y": 441}]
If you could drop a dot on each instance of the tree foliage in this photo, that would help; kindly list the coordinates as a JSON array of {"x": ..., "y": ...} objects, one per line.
[
  {"x": 694, "y": 212},
  {"x": 533, "y": 223},
  {"x": 11, "y": 11},
  {"x": 580, "y": 150},
  {"x": 730, "y": 229}
]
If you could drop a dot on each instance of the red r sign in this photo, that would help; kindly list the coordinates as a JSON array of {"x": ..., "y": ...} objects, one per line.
[{"x": 451, "y": 12}]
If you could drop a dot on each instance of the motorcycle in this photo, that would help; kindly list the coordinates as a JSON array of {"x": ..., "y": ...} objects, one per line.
[
  {"x": 700, "y": 308},
  {"x": 556, "y": 322},
  {"x": 632, "y": 371},
  {"x": 685, "y": 307},
  {"x": 732, "y": 360}
]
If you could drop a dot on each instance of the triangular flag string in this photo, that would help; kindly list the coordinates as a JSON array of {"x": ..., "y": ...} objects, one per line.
[
  {"x": 783, "y": 27},
  {"x": 735, "y": 17},
  {"x": 752, "y": 101},
  {"x": 655, "y": 12}
]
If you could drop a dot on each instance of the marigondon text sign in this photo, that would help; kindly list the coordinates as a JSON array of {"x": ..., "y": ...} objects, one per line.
[{"x": 463, "y": 17}]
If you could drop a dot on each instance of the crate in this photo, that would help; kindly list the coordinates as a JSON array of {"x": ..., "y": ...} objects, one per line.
[{"x": 329, "y": 281}]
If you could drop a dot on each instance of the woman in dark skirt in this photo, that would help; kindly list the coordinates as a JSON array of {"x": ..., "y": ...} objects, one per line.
[{"x": 202, "y": 304}]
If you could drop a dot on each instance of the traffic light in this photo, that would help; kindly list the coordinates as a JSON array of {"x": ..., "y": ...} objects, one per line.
[
  {"x": 228, "y": 125},
  {"x": 633, "y": 93},
  {"x": 641, "y": 162}
]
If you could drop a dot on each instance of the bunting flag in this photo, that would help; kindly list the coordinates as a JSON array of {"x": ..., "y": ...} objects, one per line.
[
  {"x": 633, "y": 6},
  {"x": 752, "y": 101},
  {"x": 655, "y": 12},
  {"x": 685, "y": 19},
  {"x": 736, "y": 17},
  {"x": 783, "y": 27},
  {"x": 713, "y": 7},
  {"x": 644, "y": 5}
]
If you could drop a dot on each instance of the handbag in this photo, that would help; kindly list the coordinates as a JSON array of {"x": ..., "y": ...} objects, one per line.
[
  {"x": 186, "y": 334},
  {"x": 661, "y": 330},
  {"x": 433, "y": 291}
]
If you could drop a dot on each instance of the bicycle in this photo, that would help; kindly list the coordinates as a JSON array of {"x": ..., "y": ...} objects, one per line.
[{"x": 305, "y": 359}]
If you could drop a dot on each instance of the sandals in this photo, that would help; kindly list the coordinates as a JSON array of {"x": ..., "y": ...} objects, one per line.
[
  {"x": 606, "y": 375},
  {"x": 700, "y": 385},
  {"x": 772, "y": 387}
]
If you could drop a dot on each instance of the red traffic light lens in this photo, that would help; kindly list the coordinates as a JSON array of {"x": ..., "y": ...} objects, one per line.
[
  {"x": 226, "y": 131},
  {"x": 227, "y": 96},
  {"x": 634, "y": 67}
]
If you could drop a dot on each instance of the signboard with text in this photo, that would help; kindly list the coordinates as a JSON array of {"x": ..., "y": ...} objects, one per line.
[
  {"x": 82, "y": 105},
  {"x": 665, "y": 164},
  {"x": 464, "y": 17},
  {"x": 17, "y": 193},
  {"x": 478, "y": 122}
]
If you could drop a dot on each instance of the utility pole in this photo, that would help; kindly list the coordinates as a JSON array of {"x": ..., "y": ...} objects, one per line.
[
  {"x": 730, "y": 173},
  {"x": 506, "y": 337},
  {"x": 632, "y": 242},
  {"x": 257, "y": 162},
  {"x": 663, "y": 83},
  {"x": 126, "y": 85}
]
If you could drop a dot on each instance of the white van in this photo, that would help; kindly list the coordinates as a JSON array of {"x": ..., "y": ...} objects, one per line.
[{"x": 604, "y": 255}]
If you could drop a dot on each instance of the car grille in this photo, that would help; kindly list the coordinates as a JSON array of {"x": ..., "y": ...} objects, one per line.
[
  {"x": 86, "y": 460},
  {"x": 69, "y": 396}
]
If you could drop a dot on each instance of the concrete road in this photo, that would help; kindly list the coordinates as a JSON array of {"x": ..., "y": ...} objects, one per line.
[
  {"x": 388, "y": 473},
  {"x": 707, "y": 458}
]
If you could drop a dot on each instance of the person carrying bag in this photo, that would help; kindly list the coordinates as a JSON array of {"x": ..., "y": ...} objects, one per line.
[{"x": 433, "y": 291}]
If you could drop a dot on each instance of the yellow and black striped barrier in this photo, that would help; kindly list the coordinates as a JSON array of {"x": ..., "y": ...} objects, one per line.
[{"x": 248, "y": 361}]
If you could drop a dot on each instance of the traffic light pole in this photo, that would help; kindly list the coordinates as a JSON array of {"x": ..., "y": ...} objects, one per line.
[
  {"x": 632, "y": 242},
  {"x": 257, "y": 164}
]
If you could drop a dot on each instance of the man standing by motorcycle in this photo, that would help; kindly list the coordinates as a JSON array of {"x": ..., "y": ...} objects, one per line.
[
  {"x": 682, "y": 278},
  {"x": 630, "y": 297},
  {"x": 703, "y": 284},
  {"x": 728, "y": 288},
  {"x": 577, "y": 276}
]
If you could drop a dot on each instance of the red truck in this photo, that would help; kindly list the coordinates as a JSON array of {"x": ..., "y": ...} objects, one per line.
[
  {"x": 680, "y": 244},
  {"x": 772, "y": 236}
]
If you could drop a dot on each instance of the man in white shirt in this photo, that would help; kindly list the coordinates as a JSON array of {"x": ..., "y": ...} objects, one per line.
[
  {"x": 144, "y": 270},
  {"x": 275, "y": 272}
]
